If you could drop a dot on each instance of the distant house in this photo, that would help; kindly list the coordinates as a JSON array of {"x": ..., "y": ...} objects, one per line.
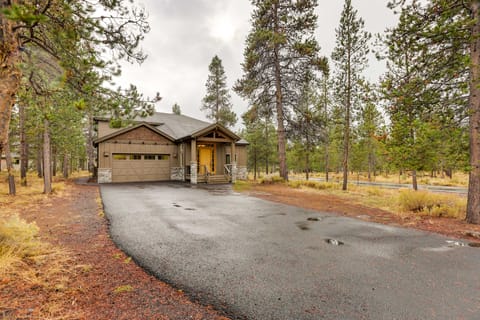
[
  {"x": 15, "y": 161},
  {"x": 166, "y": 147}
]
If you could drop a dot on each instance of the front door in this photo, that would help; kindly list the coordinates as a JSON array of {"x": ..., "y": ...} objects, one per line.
[{"x": 206, "y": 159}]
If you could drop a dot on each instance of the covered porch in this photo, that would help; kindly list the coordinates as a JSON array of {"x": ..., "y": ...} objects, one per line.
[{"x": 210, "y": 156}]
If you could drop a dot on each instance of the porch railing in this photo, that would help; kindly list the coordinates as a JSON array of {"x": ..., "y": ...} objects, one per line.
[{"x": 227, "y": 172}]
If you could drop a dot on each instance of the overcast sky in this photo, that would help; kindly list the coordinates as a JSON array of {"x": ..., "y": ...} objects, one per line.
[{"x": 186, "y": 34}]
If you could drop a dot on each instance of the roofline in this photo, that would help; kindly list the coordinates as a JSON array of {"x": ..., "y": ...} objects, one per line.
[
  {"x": 133, "y": 121},
  {"x": 215, "y": 126},
  {"x": 125, "y": 130}
]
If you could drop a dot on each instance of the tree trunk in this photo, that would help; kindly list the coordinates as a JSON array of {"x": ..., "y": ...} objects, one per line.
[
  {"x": 39, "y": 158},
  {"x": 414, "y": 180},
  {"x": 282, "y": 154},
  {"x": 10, "y": 74},
  {"x": 90, "y": 147},
  {"x": 11, "y": 178},
  {"x": 54, "y": 161},
  {"x": 23, "y": 146},
  {"x": 255, "y": 165},
  {"x": 346, "y": 132},
  {"x": 267, "y": 154},
  {"x": 473, "y": 202},
  {"x": 66, "y": 161},
  {"x": 47, "y": 173},
  {"x": 325, "y": 95},
  {"x": 307, "y": 165}
]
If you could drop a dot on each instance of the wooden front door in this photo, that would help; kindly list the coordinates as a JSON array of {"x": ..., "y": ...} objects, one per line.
[{"x": 206, "y": 159}]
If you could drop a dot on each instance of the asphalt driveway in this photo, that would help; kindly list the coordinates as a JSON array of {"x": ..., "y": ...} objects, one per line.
[{"x": 256, "y": 259}]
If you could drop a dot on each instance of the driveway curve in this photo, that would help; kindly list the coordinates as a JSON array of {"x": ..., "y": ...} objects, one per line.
[{"x": 256, "y": 259}]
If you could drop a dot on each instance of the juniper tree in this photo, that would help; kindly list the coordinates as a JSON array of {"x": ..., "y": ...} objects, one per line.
[
  {"x": 350, "y": 59},
  {"x": 280, "y": 48},
  {"x": 217, "y": 99}
]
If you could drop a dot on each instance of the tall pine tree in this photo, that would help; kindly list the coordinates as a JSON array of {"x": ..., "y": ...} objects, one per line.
[
  {"x": 447, "y": 35},
  {"x": 280, "y": 49},
  {"x": 350, "y": 60},
  {"x": 217, "y": 99}
]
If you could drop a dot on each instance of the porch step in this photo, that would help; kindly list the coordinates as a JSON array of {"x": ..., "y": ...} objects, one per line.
[{"x": 217, "y": 179}]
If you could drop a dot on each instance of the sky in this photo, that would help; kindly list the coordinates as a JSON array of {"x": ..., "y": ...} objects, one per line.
[{"x": 186, "y": 34}]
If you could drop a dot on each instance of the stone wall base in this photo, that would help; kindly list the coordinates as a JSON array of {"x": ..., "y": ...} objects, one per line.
[{"x": 104, "y": 175}]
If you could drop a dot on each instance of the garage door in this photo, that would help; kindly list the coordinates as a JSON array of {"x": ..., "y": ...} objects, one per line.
[{"x": 140, "y": 167}]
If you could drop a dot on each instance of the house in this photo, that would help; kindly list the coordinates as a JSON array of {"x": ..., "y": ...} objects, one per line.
[
  {"x": 165, "y": 147},
  {"x": 15, "y": 161}
]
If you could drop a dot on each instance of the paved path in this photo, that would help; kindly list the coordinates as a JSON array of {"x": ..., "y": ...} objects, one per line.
[{"x": 260, "y": 260}]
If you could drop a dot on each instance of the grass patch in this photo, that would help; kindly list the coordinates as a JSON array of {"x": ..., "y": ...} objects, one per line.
[
  {"x": 430, "y": 204},
  {"x": 314, "y": 185},
  {"x": 242, "y": 186},
  {"x": 271, "y": 179},
  {"x": 121, "y": 289},
  {"x": 18, "y": 240},
  {"x": 402, "y": 202}
]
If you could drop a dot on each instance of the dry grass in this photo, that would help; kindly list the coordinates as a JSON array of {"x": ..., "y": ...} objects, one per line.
[
  {"x": 459, "y": 179},
  {"x": 18, "y": 241},
  {"x": 28, "y": 196},
  {"x": 430, "y": 204},
  {"x": 27, "y": 261},
  {"x": 400, "y": 202}
]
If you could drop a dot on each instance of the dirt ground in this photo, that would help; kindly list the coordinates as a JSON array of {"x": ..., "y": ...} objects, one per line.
[
  {"x": 312, "y": 199},
  {"x": 97, "y": 280}
]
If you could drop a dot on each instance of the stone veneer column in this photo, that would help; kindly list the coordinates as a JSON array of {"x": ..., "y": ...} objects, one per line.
[
  {"x": 193, "y": 172},
  {"x": 193, "y": 162},
  {"x": 234, "y": 162},
  {"x": 234, "y": 171}
]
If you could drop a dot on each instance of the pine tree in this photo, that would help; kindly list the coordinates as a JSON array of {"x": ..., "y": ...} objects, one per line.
[
  {"x": 176, "y": 109},
  {"x": 217, "y": 99},
  {"x": 307, "y": 123},
  {"x": 280, "y": 48},
  {"x": 83, "y": 40},
  {"x": 368, "y": 129},
  {"x": 447, "y": 35},
  {"x": 350, "y": 59}
]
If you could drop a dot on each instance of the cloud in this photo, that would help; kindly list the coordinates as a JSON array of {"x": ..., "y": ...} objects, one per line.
[{"x": 183, "y": 40}]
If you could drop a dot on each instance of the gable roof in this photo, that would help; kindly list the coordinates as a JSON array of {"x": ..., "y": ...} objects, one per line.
[
  {"x": 177, "y": 126},
  {"x": 215, "y": 126},
  {"x": 173, "y": 126},
  {"x": 128, "y": 129}
]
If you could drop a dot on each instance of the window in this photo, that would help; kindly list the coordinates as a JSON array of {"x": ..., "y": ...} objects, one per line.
[
  {"x": 228, "y": 158},
  {"x": 136, "y": 157},
  {"x": 120, "y": 156},
  {"x": 149, "y": 157},
  {"x": 163, "y": 156}
]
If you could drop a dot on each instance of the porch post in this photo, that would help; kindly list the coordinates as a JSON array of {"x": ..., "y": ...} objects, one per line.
[
  {"x": 182, "y": 160},
  {"x": 234, "y": 163},
  {"x": 193, "y": 162}
]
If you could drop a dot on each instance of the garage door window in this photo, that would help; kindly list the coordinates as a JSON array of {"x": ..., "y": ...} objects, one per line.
[
  {"x": 163, "y": 156},
  {"x": 124, "y": 156},
  {"x": 120, "y": 156},
  {"x": 149, "y": 157}
]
